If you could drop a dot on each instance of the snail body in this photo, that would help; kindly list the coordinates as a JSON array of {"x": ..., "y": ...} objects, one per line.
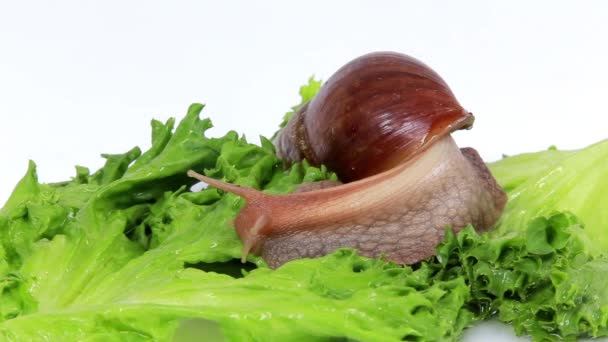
[{"x": 382, "y": 123}]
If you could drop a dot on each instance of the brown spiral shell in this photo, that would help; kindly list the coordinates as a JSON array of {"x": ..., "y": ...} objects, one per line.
[{"x": 375, "y": 112}]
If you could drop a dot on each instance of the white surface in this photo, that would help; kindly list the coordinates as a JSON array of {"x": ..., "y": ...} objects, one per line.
[
  {"x": 493, "y": 331},
  {"x": 78, "y": 78}
]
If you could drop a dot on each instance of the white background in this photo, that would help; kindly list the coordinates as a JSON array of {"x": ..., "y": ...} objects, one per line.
[{"x": 78, "y": 78}]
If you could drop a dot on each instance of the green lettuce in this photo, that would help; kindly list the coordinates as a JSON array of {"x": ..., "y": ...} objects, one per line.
[
  {"x": 129, "y": 253},
  {"x": 544, "y": 182},
  {"x": 542, "y": 280},
  {"x": 548, "y": 280},
  {"x": 307, "y": 92},
  {"x": 338, "y": 296}
]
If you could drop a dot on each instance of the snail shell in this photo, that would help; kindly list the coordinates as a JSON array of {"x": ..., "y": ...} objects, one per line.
[
  {"x": 371, "y": 115},
  {"x": 383, "y": 124}
]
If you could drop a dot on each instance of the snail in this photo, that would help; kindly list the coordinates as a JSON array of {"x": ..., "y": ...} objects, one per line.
[{"x": 382, "y": 122}]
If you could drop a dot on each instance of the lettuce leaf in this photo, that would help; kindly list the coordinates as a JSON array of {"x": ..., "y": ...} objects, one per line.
[
  {"x": 541, "y": 183},
  {"x": 340, "y": 295},
  {"x": 129, "y": 253},
  {"x": 307, "y": 92},
  {"x": 542, "y": 281}
]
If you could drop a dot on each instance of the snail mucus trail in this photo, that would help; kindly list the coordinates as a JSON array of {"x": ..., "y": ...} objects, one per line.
[{"x": 382, "y": 122}]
